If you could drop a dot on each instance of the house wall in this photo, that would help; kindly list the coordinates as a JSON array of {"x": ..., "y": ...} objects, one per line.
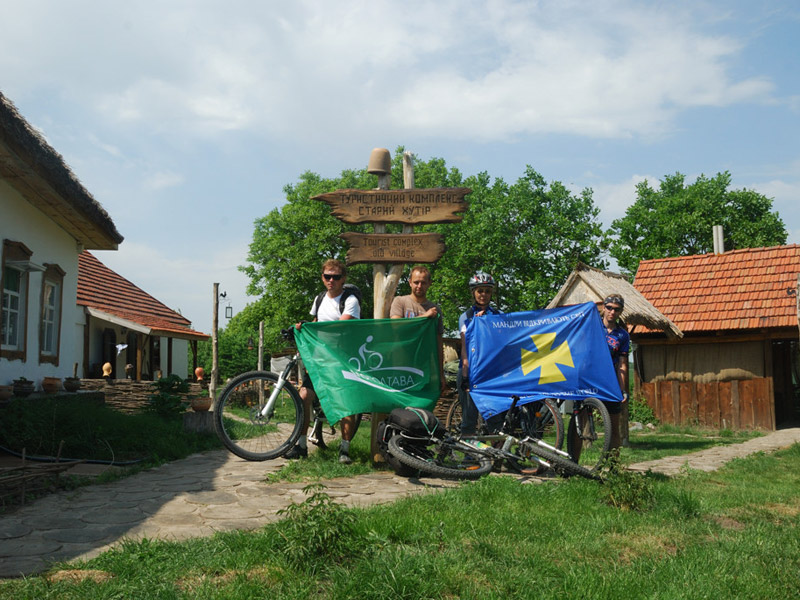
[
  {"x": 725, "y": 385},
  {"x": 702, "y": 363},
  {"x": 20, "y": 221}
]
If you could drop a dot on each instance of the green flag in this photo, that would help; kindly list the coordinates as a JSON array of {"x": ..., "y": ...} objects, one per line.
[{"x": 371, "y": 365}]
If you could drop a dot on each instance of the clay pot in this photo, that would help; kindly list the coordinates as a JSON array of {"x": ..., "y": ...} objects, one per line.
[
  {"x": 199, "y": 372},
  {"x": 201, "y": 404},
  {"x": 6, "y": 391},
  {"x": 72, "y": 384},
  {"x": 23, "y": 387},
  {"x": 51, "y": 385}
]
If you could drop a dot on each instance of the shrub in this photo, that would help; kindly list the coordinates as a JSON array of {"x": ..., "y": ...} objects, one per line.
[
  {"x": 640, "y": 412},
  {"x": 628, "y": 490},
  {"x": 170, "y": 400}
]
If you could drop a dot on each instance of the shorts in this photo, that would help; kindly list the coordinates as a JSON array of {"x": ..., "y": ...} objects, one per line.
[
  {"x": 614, "y": 408},
  {"x": 307, "y": 383}
]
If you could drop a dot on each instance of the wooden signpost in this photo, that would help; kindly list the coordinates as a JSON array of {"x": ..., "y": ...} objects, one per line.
[
  {"x": 409, "y": 207},
  {"x": 393, "y": 247}
]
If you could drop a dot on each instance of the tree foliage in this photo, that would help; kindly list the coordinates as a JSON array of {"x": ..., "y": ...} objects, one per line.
[
  {"x": 529, "y": 235},
  {"x": 677, "y": 220}
]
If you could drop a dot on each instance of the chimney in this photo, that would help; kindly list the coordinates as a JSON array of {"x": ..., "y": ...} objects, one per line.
[{"x": 719, "y": 241}]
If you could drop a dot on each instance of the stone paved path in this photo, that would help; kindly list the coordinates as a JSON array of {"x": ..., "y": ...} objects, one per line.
[{"x": 216, "y": 491}]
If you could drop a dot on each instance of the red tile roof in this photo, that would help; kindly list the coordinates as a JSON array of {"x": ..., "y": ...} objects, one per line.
[
  {"x": 101, "y": 288},
  {"x": 741, "y": 289}
]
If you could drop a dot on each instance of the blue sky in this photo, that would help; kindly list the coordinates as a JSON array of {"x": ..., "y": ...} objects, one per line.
[{"x": 185, "y": 119}]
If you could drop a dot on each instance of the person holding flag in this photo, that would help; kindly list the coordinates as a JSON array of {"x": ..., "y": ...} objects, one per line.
[
  {"x": 416, "y": 304},
  {"x": 335, "y": 305},
  {"x": 618, "y": 341},
  {"x": 482, "y": 286}
]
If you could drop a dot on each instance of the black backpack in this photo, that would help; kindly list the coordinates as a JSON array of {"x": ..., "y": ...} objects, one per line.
[
  {"x": 348, "y": 290},
  {"x": 415, "y": 422}
]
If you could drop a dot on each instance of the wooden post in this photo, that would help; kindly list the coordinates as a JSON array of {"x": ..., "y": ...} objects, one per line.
[
  {"x": 261, "y": 345},
  {"x": 212, "y": 384},
  {"x": 385, "y": 285}
]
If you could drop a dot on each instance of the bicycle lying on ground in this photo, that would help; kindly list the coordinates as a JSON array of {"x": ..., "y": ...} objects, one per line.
[
  {"x": 259, "y": 415},
  {"x": 439, "y": 451}
]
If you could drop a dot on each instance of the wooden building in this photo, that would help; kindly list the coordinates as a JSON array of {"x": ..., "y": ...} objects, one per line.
[{"x": 737, "y": 364}]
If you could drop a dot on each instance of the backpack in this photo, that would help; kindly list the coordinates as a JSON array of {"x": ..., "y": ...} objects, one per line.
[
  {"x": 415, "y": 422},
  {"x": 347, "y": 290}
]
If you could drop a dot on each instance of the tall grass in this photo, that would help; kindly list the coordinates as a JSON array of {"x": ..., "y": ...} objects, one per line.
[{"x": 733, "y": 533}]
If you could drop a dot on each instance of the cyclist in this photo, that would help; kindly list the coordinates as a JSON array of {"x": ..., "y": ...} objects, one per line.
[
  {"x": 334, "y": 276},
  {"x": 482, "y": 287},
  {"x": 416, "y": 304},
  {"x": 619, "y": 343}
]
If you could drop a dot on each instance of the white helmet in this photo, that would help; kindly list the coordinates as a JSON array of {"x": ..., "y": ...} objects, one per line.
[{"x": 481, "y": 279}]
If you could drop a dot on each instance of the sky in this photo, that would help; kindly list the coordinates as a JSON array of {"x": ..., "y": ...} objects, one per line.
[{"x": 186, "y": 119}]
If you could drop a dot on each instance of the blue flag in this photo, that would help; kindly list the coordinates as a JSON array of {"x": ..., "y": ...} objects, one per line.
[{"x": 552, "y": 353}]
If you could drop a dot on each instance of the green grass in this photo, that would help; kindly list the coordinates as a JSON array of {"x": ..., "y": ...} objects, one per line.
[
  {"x": 734, "y": 533},
  {"x": 87, "y": 431}
]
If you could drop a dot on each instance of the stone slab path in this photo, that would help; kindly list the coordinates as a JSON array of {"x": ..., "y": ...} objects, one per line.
[{"x": 216, "y": 491}]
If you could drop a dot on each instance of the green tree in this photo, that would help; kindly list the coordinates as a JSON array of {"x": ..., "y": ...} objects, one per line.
[
  {"x": 235, "y": 354},
  {"x": 677, "y": 220},
  {"x": 528, "y": 235}
]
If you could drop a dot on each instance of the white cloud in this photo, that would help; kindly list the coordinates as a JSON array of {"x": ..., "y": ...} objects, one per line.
[
  {"x": 184, "y": 282},
  {"x": 162, "y": 180},
  {"x": 487, "y": 70}
]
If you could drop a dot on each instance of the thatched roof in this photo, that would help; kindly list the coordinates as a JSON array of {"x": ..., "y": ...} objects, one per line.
[
  {"x": 40, "y": 175},
  {"x": 587, "y": 284}
]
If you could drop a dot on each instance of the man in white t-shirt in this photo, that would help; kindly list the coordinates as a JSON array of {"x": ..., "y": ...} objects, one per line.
[{"x": 334, "y": 276}]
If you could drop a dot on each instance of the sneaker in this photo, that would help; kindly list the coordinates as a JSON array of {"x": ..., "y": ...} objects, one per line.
[
  {"x": 296, "y": 452},
  {"x": 345, "y": 458}
]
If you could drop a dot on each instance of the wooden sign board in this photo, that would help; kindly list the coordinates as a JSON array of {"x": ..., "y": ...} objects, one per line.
[
  {"x": 410, "y": 207},
  {"x": 393, "y": 247}
]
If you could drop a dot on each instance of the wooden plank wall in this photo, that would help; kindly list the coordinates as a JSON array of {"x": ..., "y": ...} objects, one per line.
[{"x": 737, "y": 404}]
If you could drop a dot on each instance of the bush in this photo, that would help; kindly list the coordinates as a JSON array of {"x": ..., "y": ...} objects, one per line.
[
  {"x": 170, "y": 401},
  {"x": 640, "y": 412},
  {"x": 628, "y": 490},
  {"x": 318, "y": 532}
]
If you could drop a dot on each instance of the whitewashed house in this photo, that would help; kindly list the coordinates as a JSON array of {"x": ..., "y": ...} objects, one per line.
[{"x": 47, "y": 218}]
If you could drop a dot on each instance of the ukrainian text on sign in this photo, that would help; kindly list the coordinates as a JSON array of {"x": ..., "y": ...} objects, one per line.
[{"x": 411, "y": 207}]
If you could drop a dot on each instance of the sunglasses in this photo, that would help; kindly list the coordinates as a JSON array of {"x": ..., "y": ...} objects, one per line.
[
  {"x": 334, "y": 276},
  {"x": 614, "y": 308}
]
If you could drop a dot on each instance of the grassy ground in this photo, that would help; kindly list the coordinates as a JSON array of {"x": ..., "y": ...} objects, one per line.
[{"x": 733, "y": 533}]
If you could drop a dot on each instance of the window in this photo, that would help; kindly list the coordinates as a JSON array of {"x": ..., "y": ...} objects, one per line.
[
  {"x": 13, "y": 322},
  {"x": 50, "y": 326}
]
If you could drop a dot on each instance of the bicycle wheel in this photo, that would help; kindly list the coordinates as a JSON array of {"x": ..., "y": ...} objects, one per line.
[
  {"x": 561, "y": 464},
  {"x": 444, "y": 459},
  {"x": 589, "y": 435},
  {"x": 240, "y": 425},
  {"x": 453, "y": 420},
  {"x": 542, "y": 420}
]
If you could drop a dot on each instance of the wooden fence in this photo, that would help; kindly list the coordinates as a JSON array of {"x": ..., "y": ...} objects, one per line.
[{"x": 736, "y": 404}]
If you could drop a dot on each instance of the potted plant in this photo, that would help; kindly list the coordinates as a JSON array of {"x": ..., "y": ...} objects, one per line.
[
  {"x": 72, "y": 384},
  {"x": 23, "y": 387},
  {"x": 51, "y": 385}
]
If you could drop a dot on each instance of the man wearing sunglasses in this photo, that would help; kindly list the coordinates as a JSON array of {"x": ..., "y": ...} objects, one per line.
[
  {"x": 330, "y": 308},
  {"x": 619, "y": 343}
]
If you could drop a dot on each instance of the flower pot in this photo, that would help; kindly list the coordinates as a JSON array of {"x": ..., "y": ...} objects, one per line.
[
  {"x": 72, "y": 384},
  {"x": 23, "y": 387},
  {"x": 201, "y": 404},
  {"x": 51, "y": 385}
]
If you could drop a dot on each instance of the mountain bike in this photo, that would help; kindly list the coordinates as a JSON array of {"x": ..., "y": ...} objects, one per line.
[
  {"x": 540, "y": 419},
  {"x": 446, "y": 454},
  {"x": 589, "y": 434},
  {"x": 259, "y": 415}
]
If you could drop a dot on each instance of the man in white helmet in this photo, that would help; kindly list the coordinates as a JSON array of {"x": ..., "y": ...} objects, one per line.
[{"x": 482, "y": 287}]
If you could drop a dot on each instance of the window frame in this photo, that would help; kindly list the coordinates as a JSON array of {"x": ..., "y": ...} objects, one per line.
[
  {"x": 53, "y": 276},
  {"x": 16, "y": 252}
]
